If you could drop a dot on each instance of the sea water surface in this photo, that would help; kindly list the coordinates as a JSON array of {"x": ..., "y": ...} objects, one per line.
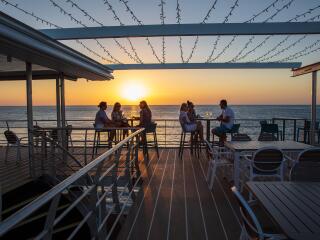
[{"x": 247, "y": 115}]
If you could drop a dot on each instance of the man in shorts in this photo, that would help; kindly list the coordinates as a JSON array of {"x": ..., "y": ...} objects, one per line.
[{"x": 226, "y": 122}]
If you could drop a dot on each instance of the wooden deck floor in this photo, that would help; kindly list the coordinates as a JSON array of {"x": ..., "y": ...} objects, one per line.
[{"x": 176, "y": 203}]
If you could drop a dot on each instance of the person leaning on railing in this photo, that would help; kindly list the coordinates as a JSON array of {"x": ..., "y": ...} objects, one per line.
[{"x": 226, "y": 122}]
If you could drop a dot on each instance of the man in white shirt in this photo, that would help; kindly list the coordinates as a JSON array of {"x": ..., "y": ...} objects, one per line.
[{"x": 226, "y": 122}]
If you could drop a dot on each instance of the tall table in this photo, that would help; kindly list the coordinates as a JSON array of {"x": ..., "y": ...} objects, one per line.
[
  {"x": 294, "y": 206},
  {"x": 242, "y": 146}
]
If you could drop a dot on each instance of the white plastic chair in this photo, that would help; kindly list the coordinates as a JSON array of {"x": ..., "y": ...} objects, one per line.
[
  {"x": 250, "y": 225},
  {"x": 219, "y": 157},
  {"x": 267, "y": 162}
]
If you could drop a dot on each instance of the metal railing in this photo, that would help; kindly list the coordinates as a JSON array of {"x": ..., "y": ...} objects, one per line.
[
  {"x": 106, "y": 187},
  {"x": 168, "y": 130}
]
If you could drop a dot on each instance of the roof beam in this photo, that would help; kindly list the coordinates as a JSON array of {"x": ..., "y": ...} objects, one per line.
[
  {"x": 249, "y": 65},
  {"x": 274, "y": 28},
  {"x": 306, "y": 69}
]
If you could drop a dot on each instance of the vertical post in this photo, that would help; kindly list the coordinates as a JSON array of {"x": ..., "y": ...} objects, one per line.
[
  {"x": 58, "y": 102},
  {"x": 30, "y": 117},
  {"x": 63, "y": 115},
  {"x": 208, "y": 130},
  {"x": 313, "y": 108},
  {"x": 63, "y": 104}
]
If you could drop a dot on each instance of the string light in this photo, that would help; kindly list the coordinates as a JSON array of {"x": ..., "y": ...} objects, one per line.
[
  {"x": 248, "y": 43},
  {"x": 226, "y": 19},
  {"x": 72, "y": 18},
  {"x": 264, "y": 56},
  {"x": 265, "y": 10},
  {"x": 303, "y": 52},
  {"x": 137, "y": 20},
  {"x": 162, "y": 18},
  {"x": 48, "y": 23}
]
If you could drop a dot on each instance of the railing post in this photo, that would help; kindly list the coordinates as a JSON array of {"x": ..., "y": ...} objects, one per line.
[
  {"x": 208, "y": 130},
  {"x": 295, "y": 130},
  {"x": 127, "y": 169},
  {"x": 115, "y": 196},
  {"x": 283, "y": 129},
  {"x": 50, "y": 218}
]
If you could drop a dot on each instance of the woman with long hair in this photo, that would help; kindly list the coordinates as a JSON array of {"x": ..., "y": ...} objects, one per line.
[
  {"x": 119, "y": 119},
  {"x": 187, "y": 124}
]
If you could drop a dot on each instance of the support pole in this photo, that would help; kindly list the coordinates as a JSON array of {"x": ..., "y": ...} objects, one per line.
[
  {"x": 313, "y": 108},
  {"x": 63, "y": 104},
  {"x": 30, "y": 117},
  {"x": 58, "y": 102}
]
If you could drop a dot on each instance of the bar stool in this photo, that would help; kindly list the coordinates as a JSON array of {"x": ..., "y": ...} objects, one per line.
[
  {"x": 153, "y": 142},
  {"x": 194, "y": 142},
  {"x": 97, "y": 140}
]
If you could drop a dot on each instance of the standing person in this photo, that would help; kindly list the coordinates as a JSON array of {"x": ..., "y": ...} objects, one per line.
[
  {"x": 226, "y": 122},
  {"x": 186, "y": 123},
  {"x": 191, "y": 111},
  {"x": 102, "y": 121},
  {"x": 119, "y": 119}
]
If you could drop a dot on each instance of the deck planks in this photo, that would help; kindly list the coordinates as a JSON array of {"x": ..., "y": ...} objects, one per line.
[{"x": 175, "y": 203}]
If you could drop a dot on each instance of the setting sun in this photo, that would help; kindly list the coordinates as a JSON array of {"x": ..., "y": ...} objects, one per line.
[{"x": 133, "y": 92}]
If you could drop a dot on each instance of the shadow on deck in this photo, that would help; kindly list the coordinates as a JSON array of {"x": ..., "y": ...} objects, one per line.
[{"x": 176, "y": 203}]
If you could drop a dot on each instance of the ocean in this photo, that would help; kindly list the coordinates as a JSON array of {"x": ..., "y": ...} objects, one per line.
[{"x": 83, "y": 116}]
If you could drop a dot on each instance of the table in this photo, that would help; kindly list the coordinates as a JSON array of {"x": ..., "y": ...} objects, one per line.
[
  {"x": 294, "y": 206},
  {"x": 240, "y": 146}
]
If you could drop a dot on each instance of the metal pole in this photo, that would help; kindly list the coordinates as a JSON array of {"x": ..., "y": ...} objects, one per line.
[
  {"x": 313, "y": 108},
  {"x": 63, "y": 115},
  {"x": 63, "y": 104},
  {"x": 58, "y": 102},
  {"x": 30, "y": 117}
]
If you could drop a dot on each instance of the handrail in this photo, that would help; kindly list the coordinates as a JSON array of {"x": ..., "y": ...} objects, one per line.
[{"x": 26, "y": 211}]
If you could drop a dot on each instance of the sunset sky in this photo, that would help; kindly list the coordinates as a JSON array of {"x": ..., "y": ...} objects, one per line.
[{"x": 172, "y": 86}]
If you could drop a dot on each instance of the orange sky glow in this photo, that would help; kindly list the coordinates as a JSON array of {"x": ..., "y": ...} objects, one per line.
[{"x": 172, "y": 87}]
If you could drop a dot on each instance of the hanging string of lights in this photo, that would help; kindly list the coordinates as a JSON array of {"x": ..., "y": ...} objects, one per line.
[
  {"x": 137, "y": 20},
  {"x": 239, "y": 55},
  {"x": 50, "y": 24},
  {"x": 178, "y": 17},
  {"x": 91, "y": 18},
  {"x": 226, "y": 19},
  {"x": 264, "y": 56},
  {"x": 303, "y": 52},
  {"x": 205, "y": 19},
  {"x": 162, "y": 18},
  {"x": 72, "y": 18}
]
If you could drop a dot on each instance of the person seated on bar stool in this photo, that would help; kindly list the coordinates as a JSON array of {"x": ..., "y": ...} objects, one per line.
[
  {"x": 119, "y": 119},
  {"x": 226, "y": 122},
  {"x": 195, "y": 128},
  {"x": 102, "y": 121},
  {"x": 145, "y": 119}
]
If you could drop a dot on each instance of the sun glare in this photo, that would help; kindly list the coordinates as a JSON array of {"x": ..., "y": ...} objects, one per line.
[{"x": 133, "y": 92}]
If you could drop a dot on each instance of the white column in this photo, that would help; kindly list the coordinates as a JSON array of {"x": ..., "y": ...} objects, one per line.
[
  {"x": 58, "y": 102},
  {"x": 313, "y": 107},
  {"x": 30, "y": 116},
  {"x": 63, "y": 104}
]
